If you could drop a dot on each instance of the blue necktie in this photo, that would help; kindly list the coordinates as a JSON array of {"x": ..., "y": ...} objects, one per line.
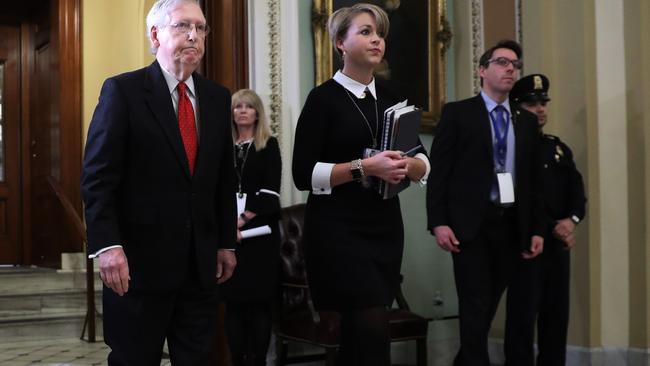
[{"x": 500, "y": 124}]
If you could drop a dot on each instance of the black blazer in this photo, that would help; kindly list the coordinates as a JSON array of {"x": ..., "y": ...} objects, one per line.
[
  {"x": 462, "y": 171},
  {"x": 137, "y": 187}
]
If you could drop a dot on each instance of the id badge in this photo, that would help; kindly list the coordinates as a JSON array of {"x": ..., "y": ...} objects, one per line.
[
  {"x": 241, "y": 203},
  {"x": 506, "y": 188}
]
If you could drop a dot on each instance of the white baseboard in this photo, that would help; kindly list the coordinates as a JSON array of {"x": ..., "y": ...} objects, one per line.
[
  {"x": 639, "y": 356},
  {"x": 585, "y": 356}
]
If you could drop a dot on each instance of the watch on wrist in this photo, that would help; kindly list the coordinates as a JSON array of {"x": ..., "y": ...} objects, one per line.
[
  {"x": 357, "y": 170},
  {"x": 575, "y": 219}
]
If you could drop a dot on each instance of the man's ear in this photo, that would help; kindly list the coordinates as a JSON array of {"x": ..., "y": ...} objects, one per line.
[
  {"x": 153, "y": 37},
  {"x": 481, "y": 70}
]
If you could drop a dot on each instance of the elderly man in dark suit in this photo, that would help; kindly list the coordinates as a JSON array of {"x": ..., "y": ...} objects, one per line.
[
  {"x": 483, "y": 205},
  {"x": 158, "y": 184}
]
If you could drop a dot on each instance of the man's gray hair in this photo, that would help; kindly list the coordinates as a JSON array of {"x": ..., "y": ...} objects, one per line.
[{"x": 159, "y": 15}]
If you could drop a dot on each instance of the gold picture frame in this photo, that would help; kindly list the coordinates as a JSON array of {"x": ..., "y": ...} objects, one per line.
[{"x": 429, "y": 92}]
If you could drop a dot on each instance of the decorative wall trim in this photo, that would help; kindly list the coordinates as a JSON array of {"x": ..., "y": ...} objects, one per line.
[
  {"x": 477, "y": 40},
  {"x": 275, "y": 67},
  {"x": 519, "y": 29},
  {"x": 518, "y": 23}
]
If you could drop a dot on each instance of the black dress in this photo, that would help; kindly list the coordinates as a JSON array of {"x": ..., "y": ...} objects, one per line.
[
  {"x": 353, "y": 238},
  {"x": 256, "y": 274}
]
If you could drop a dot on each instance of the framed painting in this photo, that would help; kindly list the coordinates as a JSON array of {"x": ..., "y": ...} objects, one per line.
[{"x": 413, "y": 65}]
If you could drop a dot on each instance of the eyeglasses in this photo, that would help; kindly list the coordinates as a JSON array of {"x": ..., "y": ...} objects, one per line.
[
  {"x": 504, "y": 62},
  {"x": 185, "y": 28}
]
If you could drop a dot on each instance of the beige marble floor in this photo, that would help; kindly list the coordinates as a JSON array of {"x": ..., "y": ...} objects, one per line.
[{"x": 55, "y": 352}]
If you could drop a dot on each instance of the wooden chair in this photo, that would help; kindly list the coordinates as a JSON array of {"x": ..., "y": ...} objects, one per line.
[
  {"x": 300, "y": 322},
  {"x": 80, "y": 229}
]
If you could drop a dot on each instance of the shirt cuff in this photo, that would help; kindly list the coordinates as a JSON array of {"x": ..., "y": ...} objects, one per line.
[
  {"x": 230, "y": 249},
  {"x": 97, "y": 253},
  {"x": 320, "y": 178},
  {"x": 423, "y": 180},
  {"x": 268, "y": 191}
]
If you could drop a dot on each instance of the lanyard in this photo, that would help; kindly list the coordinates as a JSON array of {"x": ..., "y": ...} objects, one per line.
[{"x": 240, "y": 169}]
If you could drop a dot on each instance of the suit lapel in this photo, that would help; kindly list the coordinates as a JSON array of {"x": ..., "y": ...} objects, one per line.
[
  {"x": 160, "y": 103},
  {"x": 483, "y": 117},
  {"x": 206, "y": 114}
]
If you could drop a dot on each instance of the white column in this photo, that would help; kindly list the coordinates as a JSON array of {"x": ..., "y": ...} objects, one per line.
[
  {"x": 292, "y": 71},
  {"x": 260, "y": 77},
  {"x": 611, "y": 118}
]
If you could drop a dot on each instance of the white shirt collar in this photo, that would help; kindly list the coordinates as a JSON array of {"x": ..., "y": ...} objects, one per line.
[
  {"x": 354, "y": 86},
  {"x": 172, "y": 83},
  {"x": 491, "y": 104}
]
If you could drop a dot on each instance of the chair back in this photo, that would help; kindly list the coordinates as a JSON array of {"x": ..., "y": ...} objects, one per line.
[
  {"x": 295, "y": 296},
  {"x": 292, "y": 256}
]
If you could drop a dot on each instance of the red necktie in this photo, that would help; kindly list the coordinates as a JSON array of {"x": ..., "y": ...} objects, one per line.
[{"x": 187, "y": 125}]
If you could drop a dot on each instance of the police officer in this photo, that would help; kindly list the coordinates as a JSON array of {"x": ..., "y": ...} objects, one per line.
[{"x": 540, "y": 291}]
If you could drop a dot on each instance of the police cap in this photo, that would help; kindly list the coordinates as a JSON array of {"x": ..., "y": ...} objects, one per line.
[{"x": 530, "y": 88}]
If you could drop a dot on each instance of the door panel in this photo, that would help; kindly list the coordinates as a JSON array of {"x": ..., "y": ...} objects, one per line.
[
  {"x": 10, "y": 245},
  {"x": 46, "y": 214}
]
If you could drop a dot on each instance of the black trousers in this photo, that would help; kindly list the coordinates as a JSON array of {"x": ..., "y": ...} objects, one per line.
[
  {"x": 137, "y": 324},
  {"x": 539, "y": 294},
  {"x": 248, "y": 327},
  {"x": 365, "y": 337},
  {"x": 482, "y": 271}
]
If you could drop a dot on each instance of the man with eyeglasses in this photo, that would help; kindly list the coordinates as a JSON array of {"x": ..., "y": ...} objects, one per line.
[
  {"x": 539, "y": 293},
  {"x": 483, "y": 204},
  {"x": 158, "y": 186}
]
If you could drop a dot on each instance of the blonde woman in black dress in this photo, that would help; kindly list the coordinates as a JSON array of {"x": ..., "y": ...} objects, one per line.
[
  {"x": 354, "y": 238},
  {"x": 250, "y": 291}
]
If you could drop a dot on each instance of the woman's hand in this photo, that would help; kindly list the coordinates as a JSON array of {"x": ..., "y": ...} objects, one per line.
[
  {"x": 248, "y": 216},
  {"x": 387, "y": 165}
]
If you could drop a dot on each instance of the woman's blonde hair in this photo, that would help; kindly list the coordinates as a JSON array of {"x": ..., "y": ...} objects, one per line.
[
  {"x": 262, "y": 129},
  {"x": 339, "y": 22}
]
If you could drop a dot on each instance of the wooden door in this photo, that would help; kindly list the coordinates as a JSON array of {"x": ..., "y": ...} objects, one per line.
[
  {"x": 41, "y": 105},
  {"x": 10, "y": 192},
  {"x": 44, "y": 149}
]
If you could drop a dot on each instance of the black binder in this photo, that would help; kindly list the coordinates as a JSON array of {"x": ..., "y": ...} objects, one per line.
[{"x": 400, "y": 131}]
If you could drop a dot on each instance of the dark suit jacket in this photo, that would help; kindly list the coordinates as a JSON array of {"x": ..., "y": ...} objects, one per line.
[
  {"x": 137, "y": 186},
  {"x": 462, "y": 171}
]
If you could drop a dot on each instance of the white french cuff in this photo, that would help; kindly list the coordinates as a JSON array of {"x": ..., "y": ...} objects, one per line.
[
  {"x": 267, "y": 191},
  {"x": 320, "y": 178},
  {"x": 97, "y": 253},
  {"x": 423, "y": 181}
]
